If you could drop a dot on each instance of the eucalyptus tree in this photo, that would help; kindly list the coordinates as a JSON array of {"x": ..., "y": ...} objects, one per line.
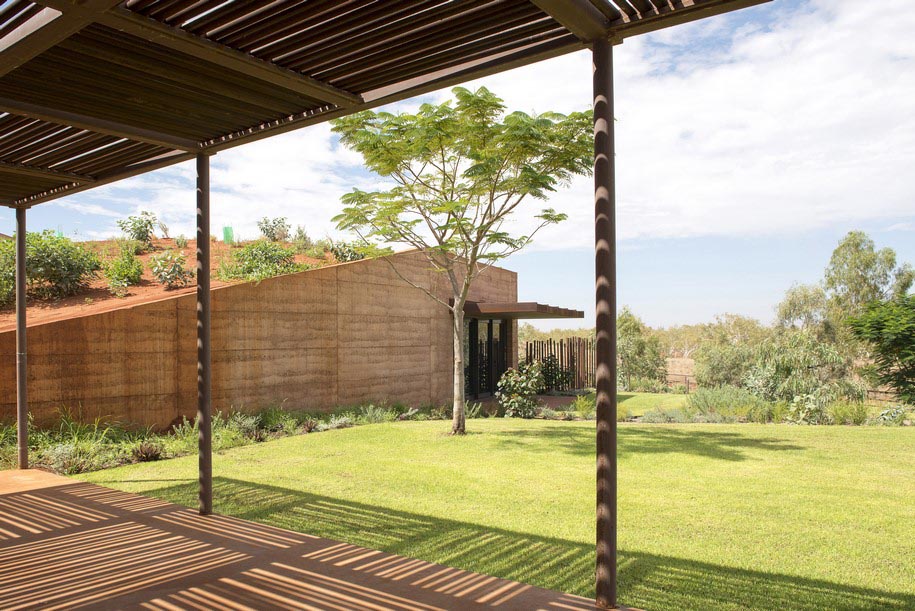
[{"x": 455, "y": 175}]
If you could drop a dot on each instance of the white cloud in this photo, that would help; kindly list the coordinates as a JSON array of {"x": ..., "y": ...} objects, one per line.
[{"x": 725, "y": 127}]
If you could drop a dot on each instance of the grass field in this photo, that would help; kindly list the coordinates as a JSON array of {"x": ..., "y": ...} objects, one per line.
[{"x": 711, "y": 516}]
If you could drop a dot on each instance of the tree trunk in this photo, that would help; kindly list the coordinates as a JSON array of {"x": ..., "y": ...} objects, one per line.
[{"x": 457, "y": 420}]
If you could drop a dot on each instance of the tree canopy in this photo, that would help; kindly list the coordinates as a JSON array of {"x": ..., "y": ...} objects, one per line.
[{"x": 889, "y": 329}]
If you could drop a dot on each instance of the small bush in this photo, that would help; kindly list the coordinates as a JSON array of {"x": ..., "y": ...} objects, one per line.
[
  {"x": 181, "y": 241},
  {"x": 372, "y": 414},
  {"x": 549, "y": 413},
  {"x": 555, "y": 377},
  {"x": 140, "y": 227},
  {"x": 148, "y": 451},
  {"x": 56, "y": 267},
  {"x": 891, "y": 416},
  {"x": 168, "y": 269},
  {"x": 344, "y": 252},
  {"x": 302, "y": 243},
  {"x": 647, "y": 385},
  {"x": 679, "y": 389},
  {"x": 518, "y": 389},
  {"x": 848, "y": 412},
  {"x": 275, "y": 230},
  {"x": 660, "y": 415},
  {"x": 259, "y": 260},
  {"x": 316, "y": 252},
  {"x": 584, "y": 406},
  {"x": 124, "y": 271},
  {"x": 473, "y": 411},
  {"x": 807, "y": 409},
  {"x": 730, "y": 403},
  {"x": 135, "y": 247}
]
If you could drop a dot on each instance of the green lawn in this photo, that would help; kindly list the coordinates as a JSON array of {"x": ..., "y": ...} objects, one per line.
[
  {"x": 640, "y": 402},
  {"x": 711, "y": 516}
]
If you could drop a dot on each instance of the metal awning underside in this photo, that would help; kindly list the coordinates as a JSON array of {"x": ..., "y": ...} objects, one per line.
[
  {"x": 517, "y": 309},
  {"x": 92, "y": 91}
]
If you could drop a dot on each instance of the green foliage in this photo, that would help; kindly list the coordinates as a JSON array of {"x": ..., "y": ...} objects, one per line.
[
  {"x": 518, "y": 389},
  {"x": 891, "y": 416},
  {"x": 729, "y": 404},
  {"x": 584, "y": 406},
  {"x": 123, "y": 271},
  {"x": 181, "y": 241},
  {"x": 275, "y": 230},
  {"x": 848, "y": 412},
  {"x": 169, "y": 269},
  {"x": 653, "y": 385},
  {"x": 140, "y": 227},
  {"x": 135, "y": 247},
  {"x": 555, "y": 377},
  {"x": 888, "y": 327},
  {"x": 665, "y": 415},
  {"x": 301, "y": 242},
  {"x": 56, "y": 267},
  {"x": 259, "y": 260},
  {"x": 345, "y": 252},
  {"x": 797, "y": 364},
  {"x": 808, "y": 409},
  {"x": 859, "y": 274},
  {"x": 639, "y": 350}
]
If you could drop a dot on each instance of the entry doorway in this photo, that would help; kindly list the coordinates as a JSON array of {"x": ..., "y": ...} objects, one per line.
[{"x": 485, "y": 355}]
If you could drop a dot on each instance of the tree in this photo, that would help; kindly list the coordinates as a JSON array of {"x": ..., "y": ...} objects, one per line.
[
  {"x": 458, "y": 172},
  {"x": 804, "y": 307},
  {"x": 639, "y": 349},
  {"x": 858, "y": 274},
  {"x": 889, "y": 328}
]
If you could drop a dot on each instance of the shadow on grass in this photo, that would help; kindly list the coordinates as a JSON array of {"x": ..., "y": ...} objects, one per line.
[
  {"x": 648, "y": 439},
  {"x": 646, "y": 581}
]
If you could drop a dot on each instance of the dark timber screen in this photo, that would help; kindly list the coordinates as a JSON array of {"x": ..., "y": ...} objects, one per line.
[{"x": 574, "y": 354}]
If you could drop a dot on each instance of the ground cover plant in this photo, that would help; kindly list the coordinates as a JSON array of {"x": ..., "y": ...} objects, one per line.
[{"x": 727, "y": 517}]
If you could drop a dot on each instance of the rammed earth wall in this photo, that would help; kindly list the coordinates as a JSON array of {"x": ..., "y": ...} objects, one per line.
[{"x": 335, "y": 336}]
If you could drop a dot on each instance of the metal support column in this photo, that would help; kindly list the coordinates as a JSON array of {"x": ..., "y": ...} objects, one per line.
[
  {"x": 22, "y": 390},
  {"x": 204, "y": 387},
  {"x": 605, "y": 288}
]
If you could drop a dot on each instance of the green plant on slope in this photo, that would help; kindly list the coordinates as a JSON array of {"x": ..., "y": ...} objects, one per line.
[
  {"x": 140, "y": 227},
  {"x": 275, "y": 230},
  {"x": 259, "y": 260},
  {"x": 56, "y": 267},
  {"x": 123, "y": 271},
  {"x": 169, "y": 269}
]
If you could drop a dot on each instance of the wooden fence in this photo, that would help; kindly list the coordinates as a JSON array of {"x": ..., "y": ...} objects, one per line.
[{"x": 575, "y": 354}]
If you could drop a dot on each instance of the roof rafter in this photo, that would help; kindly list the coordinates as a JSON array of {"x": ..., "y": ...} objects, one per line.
[
  {"x": 663, "y": 16},
  {"x": 27, "y": 170},
  {"x": 45, "y": 29},
  {"x": 177, "y": 39},
  {"x": 577, "y": 16},
  {"x": 97, "y": 125}
]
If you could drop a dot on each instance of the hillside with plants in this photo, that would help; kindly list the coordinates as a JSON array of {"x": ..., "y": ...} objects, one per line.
[{"x": 145, "y": 263}]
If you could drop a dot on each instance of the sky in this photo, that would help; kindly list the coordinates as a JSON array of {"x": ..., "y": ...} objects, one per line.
[{"x": 747, "y": 146}]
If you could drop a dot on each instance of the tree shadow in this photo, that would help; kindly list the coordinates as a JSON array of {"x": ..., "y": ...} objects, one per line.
[
  {"x": 647, "y": 581},
  {"x": 650, "y": 439}
]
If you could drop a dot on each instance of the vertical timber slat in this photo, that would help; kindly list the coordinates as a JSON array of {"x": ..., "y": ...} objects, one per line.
[
  {"x": 22, "y": 371},
  {"x": 606, "y": 350},
  {"x": 204, "y": 361}
]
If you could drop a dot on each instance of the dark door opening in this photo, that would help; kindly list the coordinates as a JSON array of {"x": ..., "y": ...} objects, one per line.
[{"x": 485, "y": 352}]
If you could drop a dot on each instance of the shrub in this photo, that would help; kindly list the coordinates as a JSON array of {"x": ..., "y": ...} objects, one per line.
[
  {"x": 807, "y": 409},
  {"x": 133, "y": 246},
  {"x": 302, "y": 243},
  {"x": 729, "y": 403},
  {"x": 848, "y": 412},
  {"x": 549, "y": 413},
  {"x": 123, "y": 271},
  {"x": 473, "y": 411},
  {"x": 373, "y": 414},
  {"x": 891, "y": 416},
  {"x": 679, "y": 389},
  {"x": 56, "y": 267},
  {"x": 275, "y": 230},
  {"x": 148, "y": 451},
  {"x": 647, "y": 385},
  {"x": 889, "y": 329},
  {"x": 259, "y": 260},
  {"x": 722, "y": 364},
  {"x": 168, "y": 269},
  {"x": 181, "y": 241},
  {"x": 345, "y": 251},
  {"x": 584, "y": 406},
  {"x": 518, "y": 389},
  {"x": 140, "y": 227},
  {"x": 316, "y": 252},
  {"x": 661, "y": 415}
]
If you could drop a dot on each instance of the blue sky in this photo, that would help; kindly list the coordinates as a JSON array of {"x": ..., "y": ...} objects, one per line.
[{"x": 747, "y": 146}]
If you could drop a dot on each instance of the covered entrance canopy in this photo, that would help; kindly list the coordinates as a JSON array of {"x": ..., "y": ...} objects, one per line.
[{"x": 92, "y": 91}]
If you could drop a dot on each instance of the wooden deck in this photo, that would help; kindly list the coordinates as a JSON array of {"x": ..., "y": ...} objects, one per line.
[{"x": 66, "y": 544}]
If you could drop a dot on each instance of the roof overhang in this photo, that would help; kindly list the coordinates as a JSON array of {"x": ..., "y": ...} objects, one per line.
[
  {"x": 93, "y": 91},
  {"x": 517, "y": 310}
]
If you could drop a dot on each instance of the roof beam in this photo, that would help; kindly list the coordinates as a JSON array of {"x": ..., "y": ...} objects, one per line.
[
  {"x": 97, "y": 125},
  {"x": 577, "y": 16},
  {"x": 178, "y": 40},
  {"x": 45, "y": 29},
  {"x": 685, "y": 11},
  {"x": 27, "y": 170}
]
